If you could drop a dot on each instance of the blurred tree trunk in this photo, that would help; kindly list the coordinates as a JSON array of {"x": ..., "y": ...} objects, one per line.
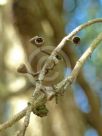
[
  {"x": 46, "y": 19},
  {"x": 5, "y": 41},
  {"x": 3, "y": 104}
]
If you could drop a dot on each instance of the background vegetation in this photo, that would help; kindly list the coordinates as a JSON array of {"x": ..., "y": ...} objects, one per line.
[{"x": 78, "y": 112}]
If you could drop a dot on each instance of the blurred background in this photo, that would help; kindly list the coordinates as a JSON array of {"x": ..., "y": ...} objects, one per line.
[{"x": 78, "y": 112}]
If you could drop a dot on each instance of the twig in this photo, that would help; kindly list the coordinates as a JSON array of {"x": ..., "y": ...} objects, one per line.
[
  {"x": 68, "y": 80},
  {"x": 62, "y": 43},
  {"x": 40, "y": 99},
  {"x": 37, "y": 97},
  {"x": 14, "y": 119},
  {"x": 58, "y": 26},
  {"x": 73, "y": 76},
  {"x": 52, "y": 58}
]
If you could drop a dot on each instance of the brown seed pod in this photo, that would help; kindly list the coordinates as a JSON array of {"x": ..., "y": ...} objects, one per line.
[
  {"x": 22, "y": 69},
  {"x": 76, "y": 40},
  {"x": 38, "y": 41}
]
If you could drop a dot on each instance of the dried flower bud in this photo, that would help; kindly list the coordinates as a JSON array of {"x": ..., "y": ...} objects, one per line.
[
  {"x": 22, "y": 69},
  {"x": 38, "y": 41},
  {"x": 76, "y": 40}
]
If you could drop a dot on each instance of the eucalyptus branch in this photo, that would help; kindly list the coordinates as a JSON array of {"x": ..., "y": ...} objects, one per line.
[
  {"x": 66, "y": 82},
  {"x": 40, "y": 100},
  {"x": 62, "y": 43},
  {"x": 39, "y": 96},
  {"x": 69, "y": 80},
  {"x": 13, "y": 120},
  {"x": 73, "y": 75}
]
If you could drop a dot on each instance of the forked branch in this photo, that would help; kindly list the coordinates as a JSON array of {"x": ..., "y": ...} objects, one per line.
[{"x": 38, "y": 97}]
